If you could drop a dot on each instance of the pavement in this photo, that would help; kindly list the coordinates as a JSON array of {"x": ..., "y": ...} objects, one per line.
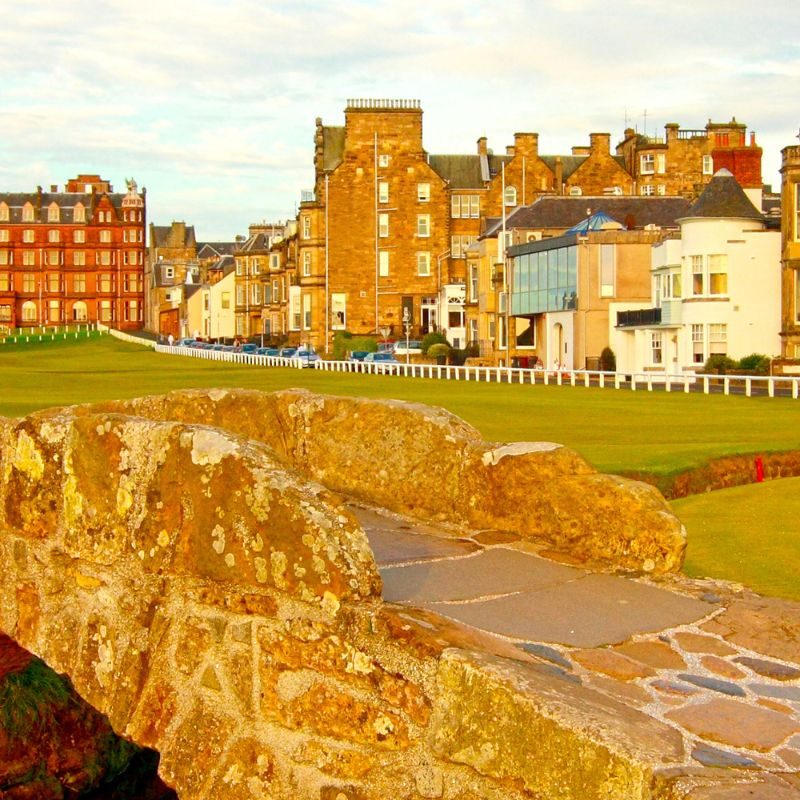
[{"x": 712, "y": 660}]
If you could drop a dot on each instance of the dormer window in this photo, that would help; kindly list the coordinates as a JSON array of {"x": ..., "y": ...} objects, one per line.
[
  {"x": 27, "y": 213},
  {"x": 79, "y": 214},
  {"x": 510, "y": 196},
  {"x": 3, "y": 212},
  {"x": 53, "y": 213}
]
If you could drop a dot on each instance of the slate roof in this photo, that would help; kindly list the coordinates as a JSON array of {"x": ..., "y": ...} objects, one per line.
[
  {"x": 258, "y": 242},
  {"x": 568, "y": 164},
  {"x": 161, "y": 236},
  {"x": 460, "y": 171},
  {"x": 564, "y": 212},
  {"x": 723, "y": 198},
  {"x": 211, "y": 249},
  {"x": 332, "y": 146},
  {"x": 226, "y": 264},
  {"x": 66, "y": 201}
]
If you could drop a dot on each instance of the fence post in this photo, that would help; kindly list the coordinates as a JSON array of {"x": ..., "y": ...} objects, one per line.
[
  {"x": 706, "y": 385},
  {"x": 748, "y": 387}
]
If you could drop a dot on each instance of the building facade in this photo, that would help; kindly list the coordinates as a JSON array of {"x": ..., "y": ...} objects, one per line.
[
  {"x": 75, "y": 256},
  {"x": 715, "y": 289},
  {"x": 790, "y": 253}
]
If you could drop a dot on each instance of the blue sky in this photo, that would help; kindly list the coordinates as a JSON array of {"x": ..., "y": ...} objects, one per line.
[{"x": 211, "y": 104}]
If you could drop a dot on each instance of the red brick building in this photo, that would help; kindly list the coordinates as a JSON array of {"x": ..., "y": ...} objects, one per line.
[{"x": 75, "y": 256}]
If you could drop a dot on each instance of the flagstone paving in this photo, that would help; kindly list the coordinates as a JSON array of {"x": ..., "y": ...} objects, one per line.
[{"x": 714, "y": 662}]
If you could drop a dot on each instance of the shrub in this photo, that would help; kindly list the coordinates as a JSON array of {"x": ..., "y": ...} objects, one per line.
[
  {"x": 432, "y": 338},
  {"x": 755, "y": 362},
  {"x": 608, "y": 361},
  {"x": 720, "y": 364},
  {"x": 438, "y": 350},
  {"x": 344, "y": 342}
]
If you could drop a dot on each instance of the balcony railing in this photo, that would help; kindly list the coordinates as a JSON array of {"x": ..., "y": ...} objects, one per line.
[{"x": 639, "y": 317}]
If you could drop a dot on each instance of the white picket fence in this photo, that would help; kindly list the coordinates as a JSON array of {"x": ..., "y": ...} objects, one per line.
[{"x": 747, "y": 385}]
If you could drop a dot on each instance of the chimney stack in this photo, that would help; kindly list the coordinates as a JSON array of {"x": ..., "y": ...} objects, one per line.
[
  {"x": 482, "y": 146},
  {"x": 600, "y": 143}
]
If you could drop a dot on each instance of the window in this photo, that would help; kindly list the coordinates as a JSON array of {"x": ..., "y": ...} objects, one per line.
[
  {"x": 79, "y": 214},
  {"x": 104, "y": 282},
  {"x": 106, "y": 311},
  {"x": 697, "y": 344},
  {"x": 661, "y": 189},
  {"x": 459, "y": 245},
  {"x": 79, "y": 237},
  {"x": 797, "y": 212},
  {"x": 240, "y": 326},
  {"x": 423, "y": 264},
  {"x": 54, "y": 311},
  {"x": 29, "y": 313},
  {"x": 708, "y": 165},
  {"x": 255, "y": 268},
  {"x": 510, "y": 196},
  {"x": 54, "y": 236},
  {"x": 306, "y": 312},
  {"x": 53, "y": 213},
  {"x": 28, "y": 282},
  {"x": 53, "y": 282},
  {"x": 608, "y": 254},
  {"x": 274, "y": 261},
  {"x": 255, "y": 294},
  {"x": 53, "y": 258},
  {"x": 473, "y": 283},
  {"x": 79, "y": 282},
  {"x": 383, "y": 263},
  {"x": 656, "y": 352},
  {"x": 307, "y": 263},
  {"x": 4, "y": 235},
  {"x": 5, "y": 282},
  {"x": 28, "y": 235},
  {"x": 423, "y": 224},
  {"x": 423, "y": 192},
  {"x": 78, "y": 258},
  {"x": 717, "y": 340},
  {"x": 225, "y": 300},
  {"x": 383, "y": 225},
  {"x": 276, "y": 292},
  {"x": 306, "y": 227},
  {"x": 240, "y": 266},
  {"x": 3, "y": 212},
  {"x": 295, "y": 308},
  {"x": 797, "y": 295},
  {"x": 467, "y": 205},
  {"x": 383, "y": 192},
  {"x": 647, "y": 163},
  {"x": 27, "y": 213},
  {"x": 661, "y": 163},
  {"x": 132, "y": 283},
  {"x": 240, "y": 296},
  {"x": 339, "y": 311},
  {"x": 718, "y": 274},
  {"x": 133, "y": 311},
  {"x": 5, "y": 257},
  {"x": 104, "y": 258},
  {"x": 28, "y": 258},
  {"x": 676, "y": 285},
  {"x": 383, "y": 160},
  {"x": 698, "y": 283},
  {"x": 647, "y": 190}
]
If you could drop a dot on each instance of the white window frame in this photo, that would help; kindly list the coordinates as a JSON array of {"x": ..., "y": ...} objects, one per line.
[
  {"x": 423, "y": 225},
  {"x": 306, "y": 312},
  {"x": 28, "y": 235},
  {"x": 383, "y": 263},
  {"x": 607, "y": 270},
  {"x": 306, "y": 226},
  {"x": 697, "y": 267},
  {"x": 656, "y": 349},
  {"x": 79, "y": 237},
  {"x": 423, "y": 264},
  {"x": 383, "y": 160},
  {"x": 306, "y": 263},
  {"x": 383, "y": 226},
  {"x": 797, "y": 212},
  {"x": 383, "y": 191},
  {"x": 717, "y": 265},
  {"x": 708, "y": 165},
  {"x": 473, "y": 283},
  {"x": 647, "y": 190},
  {"x": 717, "y": 339},
  {"x": 698, "y": 338},
  {"x": 423, "y": 192},
  {"x": 54, "y": 236},
  {"x": 661, "y": 163},
  {"x": 510, "y": 196},
  {"x": 338, "y": 311},
  {"x": 647, "y": 164}
]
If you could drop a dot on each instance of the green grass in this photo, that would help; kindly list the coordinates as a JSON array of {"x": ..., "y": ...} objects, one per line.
[
  {"x": 748, "y": 534},
  {"x": 31, "y": 699},
  {"x": 616, "y": 430}
]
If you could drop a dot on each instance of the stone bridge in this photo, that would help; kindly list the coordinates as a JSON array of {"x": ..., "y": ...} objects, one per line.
[{"x": 209, "y": 589}]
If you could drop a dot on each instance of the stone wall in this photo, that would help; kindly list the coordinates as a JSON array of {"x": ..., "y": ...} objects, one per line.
[{"x": 430, "y": 464}]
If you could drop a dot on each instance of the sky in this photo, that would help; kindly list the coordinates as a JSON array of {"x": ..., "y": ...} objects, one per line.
[{"x": 211, "y": 104}]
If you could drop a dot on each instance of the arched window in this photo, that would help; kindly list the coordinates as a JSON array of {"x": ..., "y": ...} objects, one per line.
[
  {"x": 510, "y": 197},
  {"x": 29, "y": 311},
  {"x": 80, "y": 312},
  {"x": 53, "y": 213}
]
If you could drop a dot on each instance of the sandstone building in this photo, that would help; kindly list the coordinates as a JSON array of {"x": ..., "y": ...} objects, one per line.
[
  {"x": 75, "y": 256},
  {"x": 790, "y": 240}
]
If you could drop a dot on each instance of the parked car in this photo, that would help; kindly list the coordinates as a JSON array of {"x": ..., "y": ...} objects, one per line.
[
  {"x": 412, "y": 347},
  {"x": 218, "y": 346},
  {"x": 386, "y": 347},
  {"x": 385, "y": 363},
  {"x": 287, "y": 352},
  {"x": 308, "y": 356},
  {"x": 249, "y": 347},
  {"x": 184, "y": 342},
  {"x": 357, "y": 355}
]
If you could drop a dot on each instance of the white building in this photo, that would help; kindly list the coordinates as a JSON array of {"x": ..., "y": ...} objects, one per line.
[{"x": 716, "y": 289}]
